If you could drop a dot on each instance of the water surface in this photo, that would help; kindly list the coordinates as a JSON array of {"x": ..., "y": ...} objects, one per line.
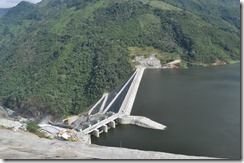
[{"x": 200, "y": 107}]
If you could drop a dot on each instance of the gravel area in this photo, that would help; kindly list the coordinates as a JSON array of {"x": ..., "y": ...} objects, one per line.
[{"x": 24, "y": 145}]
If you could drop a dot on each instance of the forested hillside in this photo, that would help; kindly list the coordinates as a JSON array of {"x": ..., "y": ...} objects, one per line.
[
  {"x": 3, "y": 11},
  {"x": 59, "y": 56}
]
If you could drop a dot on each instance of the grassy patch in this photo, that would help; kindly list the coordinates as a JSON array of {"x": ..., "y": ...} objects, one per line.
[
  {"x": 160, "y": 4},
  {"x": 60, "y": 24},
  {"x": 87, "y": 12},
  {"x": 164, "y": 57},
  {"x": 33, "y": 128},
  {"x": 150, "y": 23}
]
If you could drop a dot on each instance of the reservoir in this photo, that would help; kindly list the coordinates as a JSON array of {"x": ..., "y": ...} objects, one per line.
[{"x": 199, "y": 106}]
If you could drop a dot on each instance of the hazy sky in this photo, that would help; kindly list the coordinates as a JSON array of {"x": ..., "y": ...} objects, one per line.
[{"x": 12, "y": 3}]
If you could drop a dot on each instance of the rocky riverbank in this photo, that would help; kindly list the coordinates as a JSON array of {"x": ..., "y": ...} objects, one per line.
[
  {"x": 8, "y": 119},
  {"x": 23, "y": 145}
]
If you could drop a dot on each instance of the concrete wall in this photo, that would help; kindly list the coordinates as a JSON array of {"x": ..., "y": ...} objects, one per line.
[
  {"x": 141, "y": 121},
  {"x": 105, "y": 128},
  {"x": 127, "y": 105},
  {"x": 95, "y": 133},
  {"x": 121, "y": 90},
  {"x": 112, "y": 124}
]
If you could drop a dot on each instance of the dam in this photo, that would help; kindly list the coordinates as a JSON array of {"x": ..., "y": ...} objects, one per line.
[
  {"x": 200, "y": 107},
  {"x": 170, "y": 97},
  {"x": 115, "y": 107},
  {"x": 112, "y": 108}
]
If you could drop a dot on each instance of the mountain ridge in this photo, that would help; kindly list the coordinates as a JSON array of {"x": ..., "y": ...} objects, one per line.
[{"x": 3, "y": 11}]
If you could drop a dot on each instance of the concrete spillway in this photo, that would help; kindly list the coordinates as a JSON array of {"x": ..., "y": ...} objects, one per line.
[
  {"x": 121, "y": 100},
  {"x": 128, "y": 102},
  {"x": 111, "y": 108},
  {"x": 119, "y": 97},
  {"x": 99, "y": 105},
  {"x": 126, "y": 107},
  {"x": 120, "y": 103}
]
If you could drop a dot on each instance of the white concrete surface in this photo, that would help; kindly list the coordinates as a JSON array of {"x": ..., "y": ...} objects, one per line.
[
  {"x": 128, "y": 102},
  {"x": 141, "y": 121},
  {"x": 100, "y": 124},
  {"x": 97, "y": 103},
  {"x": 111, "y": 103}
]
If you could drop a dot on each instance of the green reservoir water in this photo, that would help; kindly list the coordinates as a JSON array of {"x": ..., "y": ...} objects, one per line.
[{"x": 200, "y": 107}]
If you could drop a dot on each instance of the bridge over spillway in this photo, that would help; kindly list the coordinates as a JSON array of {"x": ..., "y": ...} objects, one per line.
[{"x": 114, "y": 105}]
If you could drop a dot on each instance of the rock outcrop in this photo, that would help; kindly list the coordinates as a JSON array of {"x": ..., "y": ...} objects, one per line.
[{"x": 32, "y": 147}]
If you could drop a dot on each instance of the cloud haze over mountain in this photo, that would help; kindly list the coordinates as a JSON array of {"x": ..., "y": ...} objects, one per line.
[{"x": 12, "y": 3}]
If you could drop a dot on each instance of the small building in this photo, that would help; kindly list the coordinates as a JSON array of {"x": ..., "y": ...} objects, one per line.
[
  {"x": 150, "y": 62},
  {"x": 139, "y": 58},
  {"x": 63, "y": 135}
]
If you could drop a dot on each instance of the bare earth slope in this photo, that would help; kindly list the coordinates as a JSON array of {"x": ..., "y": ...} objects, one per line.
[{"x": 24, "y": 145}]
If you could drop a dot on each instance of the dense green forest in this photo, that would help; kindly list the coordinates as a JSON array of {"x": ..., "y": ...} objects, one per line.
[
  {"x": 3, "y": 11},
  {"x": 59, "y": 56}
]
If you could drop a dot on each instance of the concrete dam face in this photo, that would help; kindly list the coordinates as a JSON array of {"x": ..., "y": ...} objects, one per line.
[
  {"x": 119, "y": 103},
  {"x": 111, "y": 109}
]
